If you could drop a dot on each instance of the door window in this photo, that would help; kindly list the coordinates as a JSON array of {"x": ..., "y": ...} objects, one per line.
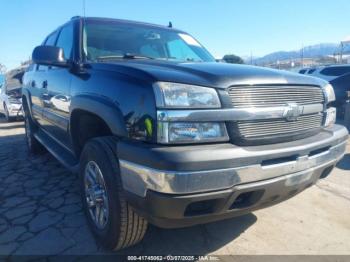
[
  {"x": 50, "y": 41},
  {"x": 65, "y": 40}
]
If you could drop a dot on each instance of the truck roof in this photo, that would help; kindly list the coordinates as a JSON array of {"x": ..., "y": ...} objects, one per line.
[{"x": 124, "y": 21}]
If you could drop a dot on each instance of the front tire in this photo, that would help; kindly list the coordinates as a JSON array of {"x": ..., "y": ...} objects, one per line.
[{"x": 112, "y": 220}]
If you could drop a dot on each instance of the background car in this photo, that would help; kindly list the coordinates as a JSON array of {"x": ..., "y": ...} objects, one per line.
[
  {"x": 304, "y": 70},
  {"x": 328, "y": 73},
  {"x": 10, "y": 94},
  {"x": 341, "y": 87},
  {"x": 339, "y": 77}
]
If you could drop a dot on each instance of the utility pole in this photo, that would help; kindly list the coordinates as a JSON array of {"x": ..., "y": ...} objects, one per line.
[
  {"x": 302, "y": 56},
  {"x": 341, "y": 52}
]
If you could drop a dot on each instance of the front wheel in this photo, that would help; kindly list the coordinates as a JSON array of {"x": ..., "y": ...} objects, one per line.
[{"x": 112, "y": 220}]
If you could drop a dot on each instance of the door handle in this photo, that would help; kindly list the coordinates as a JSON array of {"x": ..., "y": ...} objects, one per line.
[
  {"x": 33, "y": 84},
  {"x": 44, "y": 85}
]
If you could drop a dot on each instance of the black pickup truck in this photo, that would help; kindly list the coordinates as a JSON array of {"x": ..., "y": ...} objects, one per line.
[{"x": 161, "y": 133}]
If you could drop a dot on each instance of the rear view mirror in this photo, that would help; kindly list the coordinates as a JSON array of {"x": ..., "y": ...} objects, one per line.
[{"x": 50, "y": 56}]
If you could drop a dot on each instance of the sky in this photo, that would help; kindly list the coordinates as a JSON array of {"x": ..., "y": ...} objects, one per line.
[{"x": 241, "y": 27}]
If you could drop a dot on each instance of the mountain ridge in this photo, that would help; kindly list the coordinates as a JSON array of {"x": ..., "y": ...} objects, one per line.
[{"x": 311, "y": 51}]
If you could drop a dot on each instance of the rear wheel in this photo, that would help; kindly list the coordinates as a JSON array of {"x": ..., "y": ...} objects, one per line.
[
  {"x": 33, "y": 144},
  {"x": 112, "y": 220}
]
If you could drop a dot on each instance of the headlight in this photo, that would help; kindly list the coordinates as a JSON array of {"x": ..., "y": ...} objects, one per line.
[
  {"x": 184, "y": 132},
  {"x": 174, "y": 95},
  {"x": 329, "y": 93}
]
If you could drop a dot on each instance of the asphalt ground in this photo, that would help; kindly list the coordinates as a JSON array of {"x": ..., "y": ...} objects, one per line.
[{"x": 40, "y": 214}]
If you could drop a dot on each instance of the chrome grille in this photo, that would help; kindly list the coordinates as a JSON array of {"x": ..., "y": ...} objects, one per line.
[
  {"x": 256, "y": 129},
  {"x": 267, "y": 96}
]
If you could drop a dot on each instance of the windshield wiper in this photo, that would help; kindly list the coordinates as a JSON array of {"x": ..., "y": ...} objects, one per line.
[
  {"x": 135, "y": 56},
  {"x": 125, "y": 56}
]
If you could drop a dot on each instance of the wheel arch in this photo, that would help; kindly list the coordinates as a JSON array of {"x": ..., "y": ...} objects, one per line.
[{"x": 87, "y": 113}]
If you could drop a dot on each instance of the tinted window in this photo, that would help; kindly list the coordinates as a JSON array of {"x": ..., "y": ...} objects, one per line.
[
  {"x": 335, "y": 71},
  {"x": 311, "y": 71},
  {"x": 302, "y": 71},
  {"x": 51, "y": 40},
  {"x": 65, "y": 40}
]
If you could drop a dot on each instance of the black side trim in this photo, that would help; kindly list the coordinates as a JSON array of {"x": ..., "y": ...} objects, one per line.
[
  {"x": 36, "y": 111},
  {"x": 56, "y": 119},
  {"x": 65, "y": 157}
]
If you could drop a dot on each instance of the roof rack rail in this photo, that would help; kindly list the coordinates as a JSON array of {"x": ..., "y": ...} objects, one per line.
[{"x": 75, "y": 17}]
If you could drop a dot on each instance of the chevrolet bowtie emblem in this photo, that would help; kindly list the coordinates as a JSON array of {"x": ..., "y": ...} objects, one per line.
[{"x": 292, "y": 112}]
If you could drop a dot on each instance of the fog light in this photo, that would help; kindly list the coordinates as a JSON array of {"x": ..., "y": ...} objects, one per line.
[
  {"x": 331, "y": 116},
  {"x": 185, "y": 132}
]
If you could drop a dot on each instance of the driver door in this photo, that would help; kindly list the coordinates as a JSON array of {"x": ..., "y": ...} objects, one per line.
[{"x": 56, "y": 91}]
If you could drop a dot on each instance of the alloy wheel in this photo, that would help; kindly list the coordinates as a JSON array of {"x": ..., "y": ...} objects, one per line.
[{"x": 96, "y": 194}]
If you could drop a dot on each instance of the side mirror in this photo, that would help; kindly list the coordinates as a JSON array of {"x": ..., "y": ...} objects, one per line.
[{"x": 50, "y": 56}]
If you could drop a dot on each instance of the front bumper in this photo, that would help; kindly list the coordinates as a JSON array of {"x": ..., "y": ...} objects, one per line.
[{"x": 168, "y": 184}]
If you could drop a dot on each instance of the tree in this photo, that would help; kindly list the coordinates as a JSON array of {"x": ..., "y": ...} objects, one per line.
[{"x": 233, "y": 59}]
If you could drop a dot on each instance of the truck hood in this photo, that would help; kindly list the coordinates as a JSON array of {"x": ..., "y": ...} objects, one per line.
[{"x": 218, "y": 75}]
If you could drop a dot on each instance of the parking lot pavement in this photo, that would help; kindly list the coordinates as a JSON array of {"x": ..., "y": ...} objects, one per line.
[{"x": 40, "y": 213}]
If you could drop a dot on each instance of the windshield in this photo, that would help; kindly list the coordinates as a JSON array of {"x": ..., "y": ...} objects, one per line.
[{"x": 113, "y": 40}]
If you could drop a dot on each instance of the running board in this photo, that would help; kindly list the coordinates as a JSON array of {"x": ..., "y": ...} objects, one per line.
[{"x": 65, "y": 157}]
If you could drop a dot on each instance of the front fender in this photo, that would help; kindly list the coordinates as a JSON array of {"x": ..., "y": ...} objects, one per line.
[{"x": 103, "y": 108}]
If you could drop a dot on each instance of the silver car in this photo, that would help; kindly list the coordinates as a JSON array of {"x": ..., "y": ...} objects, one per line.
[{"x": 10, "y": 96}]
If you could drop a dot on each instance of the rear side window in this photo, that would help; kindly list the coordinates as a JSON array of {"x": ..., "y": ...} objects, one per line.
[
  {"x": 65, "y": 40},
  {"x": 335, "y": 71},
  {"x": 311, "y": 71},
  {"x": 302, "y": 71}
]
